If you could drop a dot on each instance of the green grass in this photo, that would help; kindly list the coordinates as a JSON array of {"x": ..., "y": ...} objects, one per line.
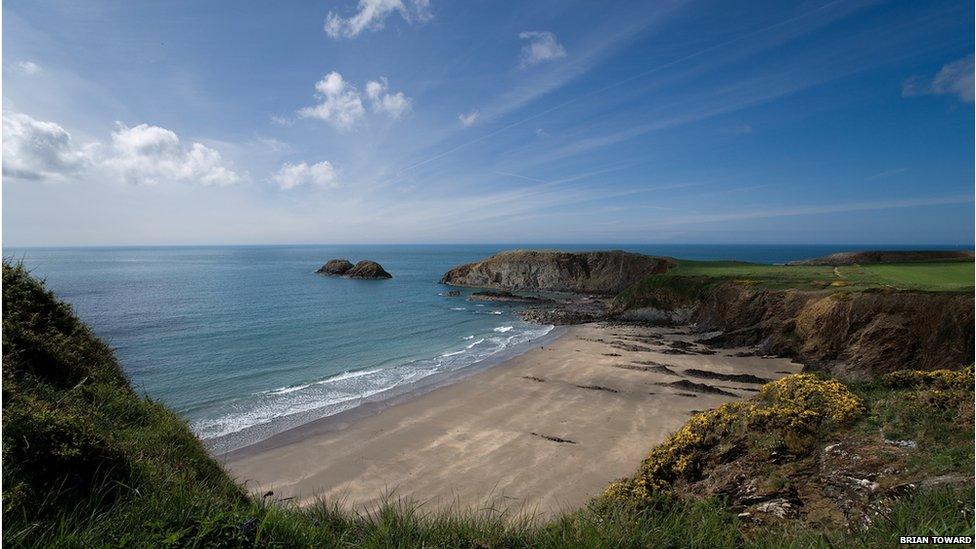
[
  {"x": 949, "y": 276},
  {"x": 87, "y": 462}
]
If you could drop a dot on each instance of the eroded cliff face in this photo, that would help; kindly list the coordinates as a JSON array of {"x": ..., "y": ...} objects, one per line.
[
  {"x": 857, "y": 335},
  {"x": 606, "y": 272}
]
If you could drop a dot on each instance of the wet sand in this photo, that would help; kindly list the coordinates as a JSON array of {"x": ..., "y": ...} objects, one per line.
[{"x": 540, "y": 434}]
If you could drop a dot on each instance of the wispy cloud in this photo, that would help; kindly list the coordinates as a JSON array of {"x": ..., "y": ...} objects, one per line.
[
  {"x": 768, "y": 36},
  {"x": 821, "y": 209},
  {"x": 372, "y": 14},
  {"x": 469, "y": 118},
  {"x": 28, "y": 67},
  {"x": 741, "y": 129},
  {"x": 540, "y": 46},
  {"x": 886, "y": 173},
  {"x": 955, "y": 78}
]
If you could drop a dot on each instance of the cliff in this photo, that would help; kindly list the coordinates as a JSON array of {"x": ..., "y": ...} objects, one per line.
[
  {"x": 606, "y": 272},
  {"x": 854, "y": 335}
]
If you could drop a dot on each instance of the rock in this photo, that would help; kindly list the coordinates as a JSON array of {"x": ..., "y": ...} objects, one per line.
[
  {"x": 778, "y": 508},
  {"x": 369, "y": 270},
  {"x": 737, "y": 378},
  {"x": 502, "y": 295},
  {"x": 335, "y": 267},
  {"x": 604, "y": 272},
  {"x": 454, "y": 293},
  {"x": 911, "y": 444},
  {"x": 686, "y": 385}
]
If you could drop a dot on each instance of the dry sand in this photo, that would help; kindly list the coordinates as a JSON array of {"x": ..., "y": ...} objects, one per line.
[{"x": 541, "y": 433}]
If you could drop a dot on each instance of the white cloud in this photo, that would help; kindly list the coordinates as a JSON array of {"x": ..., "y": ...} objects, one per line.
[
  {"x": 29, "y": 67},
  {"x": 394, "y": 105},
  {"x": 150, "y": 155},
  {"x": 340, "y": 103},
  {"x": 281, "y": 120},
  {"x": 36, "y": 150},
  {"x": 321, "y": 174},
  {"x": 371, "y": 15},
  {"x": 955, "y": 78},
  {"x": 542, "y": 46},
  {"x": 39, "y": 150},
  {"x": 468, "y": 119}
]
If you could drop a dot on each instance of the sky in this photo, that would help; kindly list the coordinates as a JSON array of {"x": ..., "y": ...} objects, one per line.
[{"x": 427, "y": 121}]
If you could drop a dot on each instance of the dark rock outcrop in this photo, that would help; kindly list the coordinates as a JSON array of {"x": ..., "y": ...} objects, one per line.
[
  {"x": 505, "y": 296},
  {"x": 367, "y": 270},
  {"x": 887, "y": 256},
  {"x": 605, "y": 272},
  {"x": 335, "y": 267}
]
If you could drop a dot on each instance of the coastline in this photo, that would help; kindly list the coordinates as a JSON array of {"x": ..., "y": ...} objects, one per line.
[
  {"x": 585, "y": 405},
  {"x": 368, "y": 406}
]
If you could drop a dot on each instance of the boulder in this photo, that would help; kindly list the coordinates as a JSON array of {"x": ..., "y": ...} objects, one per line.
[
  {"x": 335, "y": 267},
  {"x": 369, "y": 270}
]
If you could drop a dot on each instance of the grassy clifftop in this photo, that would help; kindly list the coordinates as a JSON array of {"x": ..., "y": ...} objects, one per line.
[
  {"x": 954, "y": 276},
  {"x": 88, "y": 462},
  {"x": 78, "y": 443},
  {"x": 854, "y": 321}
]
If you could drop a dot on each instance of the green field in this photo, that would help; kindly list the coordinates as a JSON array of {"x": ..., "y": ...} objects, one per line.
[{"x": 935, "y": 277}]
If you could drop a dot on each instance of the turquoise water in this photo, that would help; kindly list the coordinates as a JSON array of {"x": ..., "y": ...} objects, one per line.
[{"x": 248, "y": 339}]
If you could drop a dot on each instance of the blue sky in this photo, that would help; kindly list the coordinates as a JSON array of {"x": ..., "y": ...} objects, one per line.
[{"x": 393, "y": 121}]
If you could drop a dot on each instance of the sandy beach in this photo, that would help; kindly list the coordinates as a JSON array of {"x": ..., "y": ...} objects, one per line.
[{"x": 541, "y": 433}]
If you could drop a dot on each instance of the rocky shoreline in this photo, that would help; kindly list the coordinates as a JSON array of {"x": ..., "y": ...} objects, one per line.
[{"x": 852, "y": 335}]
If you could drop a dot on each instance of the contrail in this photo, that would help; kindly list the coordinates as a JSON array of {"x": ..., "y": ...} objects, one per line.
[{"x": 618, "y": 84}]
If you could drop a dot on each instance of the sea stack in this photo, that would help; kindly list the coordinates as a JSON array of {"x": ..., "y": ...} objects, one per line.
[
  {"x": 368, "y": 270},
  {"x": 365, "y": 270}
]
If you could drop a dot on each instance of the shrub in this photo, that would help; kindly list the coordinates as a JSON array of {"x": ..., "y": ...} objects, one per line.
[
  {"x": 794, "y": 408},
  {"x": 937, "y": 379}
]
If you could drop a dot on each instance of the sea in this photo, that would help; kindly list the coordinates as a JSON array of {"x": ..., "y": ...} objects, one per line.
[{"x": 247, "y": 341}]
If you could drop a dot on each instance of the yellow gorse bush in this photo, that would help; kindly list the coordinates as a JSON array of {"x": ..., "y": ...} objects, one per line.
[
  {"x": 942, "y": 379},
  {"x": 806, "y": 394},
  {"x": 798, "y": 404}
]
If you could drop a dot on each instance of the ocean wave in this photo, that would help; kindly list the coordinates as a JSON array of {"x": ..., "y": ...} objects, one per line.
[
  {"x": 459, "y": 308},
  {"x": 495, "y": 313},
  {"x": 349, "y": 389},
  {"x": 331, "y": 379},
  {"x": 468, "y": 337}
]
